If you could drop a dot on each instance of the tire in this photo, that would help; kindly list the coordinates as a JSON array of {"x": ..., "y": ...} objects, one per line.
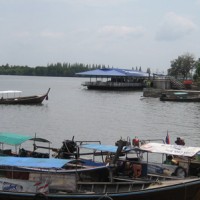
[
  {"x": 40, "y": 196},
  {"x": 180, "y": 172}
]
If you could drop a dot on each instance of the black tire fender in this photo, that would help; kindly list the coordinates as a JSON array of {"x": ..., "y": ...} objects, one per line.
[
  {"x": 40, "y": 196},
  {"x": 180, "y": 172}
]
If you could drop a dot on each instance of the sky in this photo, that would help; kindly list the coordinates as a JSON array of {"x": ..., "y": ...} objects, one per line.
[{"x": 115, "y": 33}]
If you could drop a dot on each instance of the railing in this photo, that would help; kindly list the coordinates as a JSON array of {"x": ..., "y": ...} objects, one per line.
[
  {"x": 112, "y": 84},
  {"x": 176, "y": 84}
]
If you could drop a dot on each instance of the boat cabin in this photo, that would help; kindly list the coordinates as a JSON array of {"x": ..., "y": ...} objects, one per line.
[
  {"x": 10, "y": 94},
  {"x": 184, "y": 159}
]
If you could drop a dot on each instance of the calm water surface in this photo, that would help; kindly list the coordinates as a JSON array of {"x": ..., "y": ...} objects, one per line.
[{"x": 95, "y": 115}]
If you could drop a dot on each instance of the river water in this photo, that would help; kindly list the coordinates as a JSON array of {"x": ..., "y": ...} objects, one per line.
[{"x": 72, "y": 110}]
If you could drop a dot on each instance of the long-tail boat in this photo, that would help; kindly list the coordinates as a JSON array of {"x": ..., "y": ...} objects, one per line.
[{"x": 14, "y": 97}]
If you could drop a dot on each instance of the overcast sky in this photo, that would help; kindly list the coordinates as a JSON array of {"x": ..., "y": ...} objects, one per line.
[{"x": 118, "y": 33}]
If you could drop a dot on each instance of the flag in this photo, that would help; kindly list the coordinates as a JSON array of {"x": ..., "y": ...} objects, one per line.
[{"x": 167, "y": 140}]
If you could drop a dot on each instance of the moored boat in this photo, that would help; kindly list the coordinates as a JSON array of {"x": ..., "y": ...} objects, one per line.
[
  {"x": 14, "y": 97},
  {"x": 49, "y": 181},
  {"x": 180, "y": 97},
  {"x": 76, "y": 178},
  {"x": 124, "y": 175}
]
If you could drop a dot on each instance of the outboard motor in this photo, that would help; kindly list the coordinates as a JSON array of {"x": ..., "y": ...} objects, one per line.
[
  {"x": 120, "y": 144},
  {"x": 68, "y": 149}
]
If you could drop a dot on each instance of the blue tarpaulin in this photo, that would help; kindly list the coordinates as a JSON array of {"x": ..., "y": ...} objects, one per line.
[
  {"x": 33, "y": 162},
  {"x": 104, "y": 148}
]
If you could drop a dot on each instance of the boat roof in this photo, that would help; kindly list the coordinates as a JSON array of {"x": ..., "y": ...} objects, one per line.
[
  {"x": 33, "y": 162},
  {"x": 104, "y": 148},
  {"x": 17, "y": 139},
  {"x": 178, "y": 150},
  {"x": 10, "y": 91},
  {"x": 113, "y": 72}
]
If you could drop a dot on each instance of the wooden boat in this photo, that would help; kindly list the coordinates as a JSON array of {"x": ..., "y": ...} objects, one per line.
[
  {"x": 40, "y": 178},
  {"x": 180, "y": 97},
  {"x": 46, "y": 180},
  {"x": 13, "y": 97}
]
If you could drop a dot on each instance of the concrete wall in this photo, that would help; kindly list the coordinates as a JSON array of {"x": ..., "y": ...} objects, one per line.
[
  {"x": 152, "y": 92},
  {"x": 162, "y": 84}
]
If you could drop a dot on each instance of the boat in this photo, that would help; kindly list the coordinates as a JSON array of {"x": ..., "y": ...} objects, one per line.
[
  {"x": 40, "y": 178},
  {"x": 180, "y": 97},
  {"x": 53, "y": 178},
  {"x": 14, "y": 97}
]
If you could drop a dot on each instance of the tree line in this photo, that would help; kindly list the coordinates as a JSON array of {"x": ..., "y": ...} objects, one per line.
[
  {"x": 183, "y": 67},
  {"x": 58, "y": 69}
]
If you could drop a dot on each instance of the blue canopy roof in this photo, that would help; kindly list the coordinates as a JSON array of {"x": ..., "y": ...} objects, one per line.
[
  {"x": 107, "y": 72},
  {"x": 33, "y": 162},
  {"x": 104, "y": 148}
]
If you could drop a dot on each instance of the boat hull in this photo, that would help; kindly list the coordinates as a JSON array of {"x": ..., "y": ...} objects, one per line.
[
  {"x": 187, "y": 191},
  {"x": 180, "y": 100}
]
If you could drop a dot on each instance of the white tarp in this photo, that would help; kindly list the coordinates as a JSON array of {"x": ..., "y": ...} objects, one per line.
[
  {"x": 170, "y": 149},
  {"x": 10, "y": 91}
]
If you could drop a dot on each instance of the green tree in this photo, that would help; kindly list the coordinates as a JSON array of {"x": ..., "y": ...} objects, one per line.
[
  {"x": 197, "y": 70},
  {"x": 182, "y": 66}
]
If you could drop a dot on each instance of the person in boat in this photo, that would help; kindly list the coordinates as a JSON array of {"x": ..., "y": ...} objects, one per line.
[
  {"x": 170, "y": 161},
  {"x": 180, "y": 141},
  {"x": 136, "y": 142}
]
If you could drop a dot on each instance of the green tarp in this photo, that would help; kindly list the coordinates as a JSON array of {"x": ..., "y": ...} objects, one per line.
[{"x": 13, "y": 139}]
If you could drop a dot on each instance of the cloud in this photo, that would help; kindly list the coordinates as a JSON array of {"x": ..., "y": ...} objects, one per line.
[
  {"x": 44, "y": 34},
  {"x": 174, "y": 27},
  {"x": 121, "y": 31},
  {"x": 198, "y": 2},
  {"x": 22, "y": 34},
  {"x": 50, "y": 34}
]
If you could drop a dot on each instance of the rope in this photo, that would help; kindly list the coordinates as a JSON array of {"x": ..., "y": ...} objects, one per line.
[{"x": 105, "y": 197}]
